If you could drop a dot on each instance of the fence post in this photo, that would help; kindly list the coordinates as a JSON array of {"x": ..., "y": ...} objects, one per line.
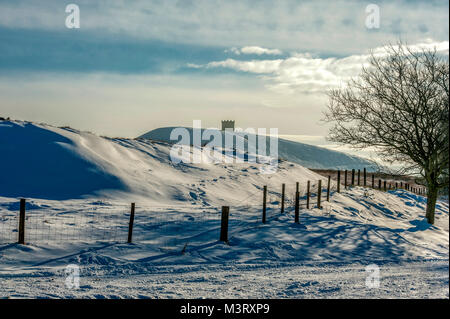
[
  {"x": 297, "y": 207},
  {"x": 373, "y": 181},
  {"x": 353, "y": 177},
  {"x": 283, "y": 192},
  {"x": 130, "y": 226},
  {"x": 297, "y": 186},
  {"x": 22, "y": 222},
  {"x": 308, "y": 193},
  {"x": 359, "y": 177},
  {"x": 319, "y": 194},
  {"x": 264, "y": 205},
  {"x": 345, "y": 177},
  {"x": 328, "y": 188},
  {"x": 379, "y": 184},
  {"x": 384, "y": 184},
  {"x": 339, "y": 182},
  {"x": 365, "y": 177},
  {"x": 224, "y": 224}
]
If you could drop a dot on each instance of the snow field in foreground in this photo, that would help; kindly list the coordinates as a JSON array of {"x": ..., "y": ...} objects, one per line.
[{"x": 176, "y": 252}]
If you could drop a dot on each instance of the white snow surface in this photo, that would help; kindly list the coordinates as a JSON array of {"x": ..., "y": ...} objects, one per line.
[{"x": 79, "y": 188}]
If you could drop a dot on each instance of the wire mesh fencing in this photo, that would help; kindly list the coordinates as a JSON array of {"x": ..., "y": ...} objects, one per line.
[
  {"x": 164, "y": 226},
  {"x": 75, "y": 227},
  {"x": 176, "y": 227},
  {"x": 8, "y": 227}
]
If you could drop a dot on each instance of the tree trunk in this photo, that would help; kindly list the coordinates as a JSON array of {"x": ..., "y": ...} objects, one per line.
[{"x": 431, "y": 203}]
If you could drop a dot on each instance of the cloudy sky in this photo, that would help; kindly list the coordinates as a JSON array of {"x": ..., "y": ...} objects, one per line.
[{"x": 133, "y": 66}]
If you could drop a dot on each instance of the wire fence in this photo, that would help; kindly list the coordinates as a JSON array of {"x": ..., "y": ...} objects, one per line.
[
  {"x": 8, "y": 227},
  {"x": 164, "y": 226}
]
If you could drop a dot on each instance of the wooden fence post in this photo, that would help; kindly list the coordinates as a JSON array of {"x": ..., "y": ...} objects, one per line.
[
  {"x": 283, "y": 193},
  {"x": 297, "y": 186},
  {"x": 379, "y": 184},
  {"x": 359, "y": 177},
  {"x": 130, "y": 226},
  {"x": 339, "y": 181},
  {"x": 319, "y": 194},
  {"x": 22, "y": 221},
  {"x": 373, "y": 181},
  {"x": 345, "y": 177},
  {"x": 264, "y": 205},
  {"x": 224, "y": 224},
  {"x": 385, "y": 189},
  {"x": 365, "y": 177},
  {"x": 308, "y": 194},
  {"x": 297, "y": 207},
  {"x": 328, "y": 188},
  {"x": 353, "y": 177}
]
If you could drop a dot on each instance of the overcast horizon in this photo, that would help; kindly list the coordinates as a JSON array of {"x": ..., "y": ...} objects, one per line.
[{"x": 136, "y": 66}]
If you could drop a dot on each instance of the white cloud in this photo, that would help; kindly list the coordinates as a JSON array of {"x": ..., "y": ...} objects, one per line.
[
  {"x": 255, "y": 50},
  {"x": 305, "y": 73},
  {"x": 254, "y": 66}
]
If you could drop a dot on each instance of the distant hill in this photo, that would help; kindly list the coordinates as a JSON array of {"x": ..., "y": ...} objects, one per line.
[{"x": 306, "y": 155}]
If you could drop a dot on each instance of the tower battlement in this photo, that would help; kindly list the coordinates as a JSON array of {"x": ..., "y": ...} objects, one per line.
[{"x": 227, "y": 124}]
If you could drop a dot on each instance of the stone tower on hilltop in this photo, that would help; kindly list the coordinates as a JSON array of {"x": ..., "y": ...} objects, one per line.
[{"x": 227, "y": 125}]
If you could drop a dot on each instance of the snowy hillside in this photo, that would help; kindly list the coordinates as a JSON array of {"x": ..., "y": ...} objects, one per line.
[
  {"x": 306, "y": 155},
  {"x": 41, "y": 161},
  {"x": 79, "y": 188}
]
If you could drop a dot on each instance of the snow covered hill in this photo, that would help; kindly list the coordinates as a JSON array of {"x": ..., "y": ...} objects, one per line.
[
  {"x": 306, "y": 155},
  {"x": 41, "y": 161}
]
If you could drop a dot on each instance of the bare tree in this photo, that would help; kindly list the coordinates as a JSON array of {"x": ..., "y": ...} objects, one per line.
[{"x": 399, "y": 105}]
